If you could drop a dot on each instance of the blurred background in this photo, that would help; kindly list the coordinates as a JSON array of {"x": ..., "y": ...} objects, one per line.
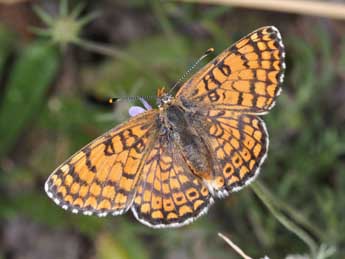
[{"x": 59, "y": 61}]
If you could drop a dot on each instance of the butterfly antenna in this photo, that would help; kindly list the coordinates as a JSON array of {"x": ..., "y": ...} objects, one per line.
[
  {"x": 129, "y": 98},
  {"x": 191, "y": 68}
]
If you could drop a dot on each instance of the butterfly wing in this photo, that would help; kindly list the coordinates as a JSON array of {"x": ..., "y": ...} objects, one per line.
[
  {"x": 238, "y": 145},
  {"x": 101, "y": 178},
  {"x": 245, "y": 77},
  {"x": 169, "y": 194},
  {"x": 225, "y": 98}
]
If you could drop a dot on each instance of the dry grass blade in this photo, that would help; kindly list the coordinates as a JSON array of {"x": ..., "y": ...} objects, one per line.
[
  {"x": 12, "y": 1},
  {"x": 316, "y": 8},
  {"x": 233, "y": 246}
]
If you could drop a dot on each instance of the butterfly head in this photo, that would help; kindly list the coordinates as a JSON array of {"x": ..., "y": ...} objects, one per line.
[{"x": 163, "y": 98}]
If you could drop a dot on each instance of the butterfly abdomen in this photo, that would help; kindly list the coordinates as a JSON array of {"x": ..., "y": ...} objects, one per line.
[{"x": 190, "y": 144}]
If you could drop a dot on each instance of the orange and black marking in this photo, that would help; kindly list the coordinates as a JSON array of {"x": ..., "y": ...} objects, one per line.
[
  {"x": 242, "y": 138},
  {"x": 101, "y": 178},
  {"x": 245, "y": 77},
  {"x": 168, "y": 193},
  {"x": 167, "y": 165}
]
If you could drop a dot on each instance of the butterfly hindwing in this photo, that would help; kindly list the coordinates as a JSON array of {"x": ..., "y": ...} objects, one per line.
[
  {"x": 168, "y": 194},
  {"x": 238, "y": 145}
]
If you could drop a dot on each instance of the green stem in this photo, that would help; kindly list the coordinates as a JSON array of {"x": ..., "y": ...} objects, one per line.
[
  {"x": 296, "y": 215},
  {"x": 116, "y": 53},
  {"x": 106, "y": 50},
  {"x": 163, "y": 21},
  {"x": 264, "y": 196},
  {"x": 166, "y": 26}
]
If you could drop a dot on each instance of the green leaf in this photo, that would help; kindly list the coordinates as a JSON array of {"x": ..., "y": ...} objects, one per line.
[{"x": 32, "y": 74}]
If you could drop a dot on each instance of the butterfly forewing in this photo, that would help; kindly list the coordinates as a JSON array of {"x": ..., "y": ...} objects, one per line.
[
  {"x": 101, "y": 177},
  {"x": 245, "y": 77}
]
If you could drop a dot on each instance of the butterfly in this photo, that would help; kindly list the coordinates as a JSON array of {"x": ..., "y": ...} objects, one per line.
[{"x": 169, "y": 164}]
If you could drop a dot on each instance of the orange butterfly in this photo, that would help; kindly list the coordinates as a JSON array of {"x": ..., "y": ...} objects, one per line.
[{"x": 168, "y": 164}]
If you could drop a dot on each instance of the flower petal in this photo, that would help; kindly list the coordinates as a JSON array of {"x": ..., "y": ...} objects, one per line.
[
  {"x": 146, "y": 104},
  {"x": 135, "y": 110}
]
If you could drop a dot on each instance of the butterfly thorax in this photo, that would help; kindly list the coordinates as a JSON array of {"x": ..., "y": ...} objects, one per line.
[{"x": 175, "y": 125}]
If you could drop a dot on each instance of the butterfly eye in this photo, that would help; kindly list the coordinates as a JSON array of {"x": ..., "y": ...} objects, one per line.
[{"x": 167, "y": 99}]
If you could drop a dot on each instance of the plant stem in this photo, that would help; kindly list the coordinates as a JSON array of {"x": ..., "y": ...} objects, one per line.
[
  {"x": 267, "y": 200},
  {"x": 296, "y": 215},
  {"x": 115, "y": 53},
  {"x": 235, "y": 247},
  {"x": 106, "y": 51}
]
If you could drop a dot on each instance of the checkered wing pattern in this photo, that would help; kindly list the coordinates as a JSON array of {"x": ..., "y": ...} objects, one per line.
[
  {"x": 245, "y": 77},
  {"x": 101, "y": 178},
  {"x": 169, "y": 194},
  {"x": 238, "y": 145}
]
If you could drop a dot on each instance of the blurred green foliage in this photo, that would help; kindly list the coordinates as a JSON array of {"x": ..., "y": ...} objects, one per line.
[
  {"x": 31, "y": 75},
  {"x": 43, "y": 121}
]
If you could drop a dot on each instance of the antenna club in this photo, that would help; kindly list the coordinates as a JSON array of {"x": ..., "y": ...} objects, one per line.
[
  {"x": 112, "y": 100},
  {"x": 210, "y": 50}
]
